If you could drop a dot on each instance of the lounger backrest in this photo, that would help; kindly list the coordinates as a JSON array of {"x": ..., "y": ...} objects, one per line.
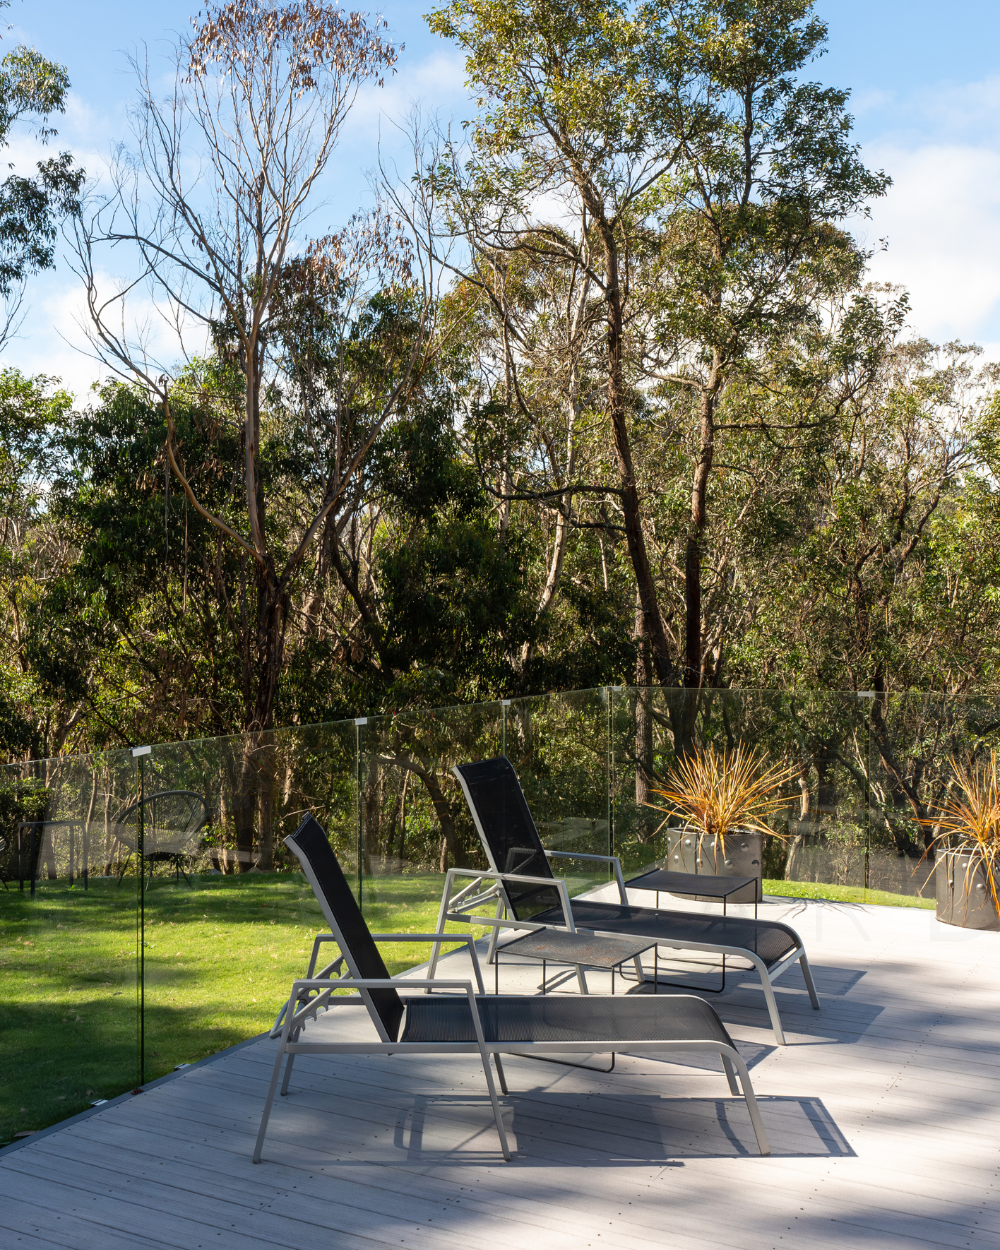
[
  {"x": 507, "y": 832},
  {"x": 312, "y": 847}
]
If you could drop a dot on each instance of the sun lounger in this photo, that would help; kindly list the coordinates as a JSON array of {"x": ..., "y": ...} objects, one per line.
[
  {"x": 521, "y": 883},
  {"x": 464, "y": 1020}
]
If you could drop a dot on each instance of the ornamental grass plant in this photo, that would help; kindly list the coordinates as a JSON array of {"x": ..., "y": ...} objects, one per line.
[
  {"x": 717, "y": 793},
  {"x": 968, "y": 821}
]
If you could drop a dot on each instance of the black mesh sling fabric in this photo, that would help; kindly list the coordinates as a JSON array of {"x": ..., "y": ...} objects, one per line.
[
  {"x": 512, "y": 841},
  {"x": 554, "y": 1018},
  {"x": 769, "y": 940},
  {"x": 513, "y": 844},
  {"x": 311, "y": 845}
]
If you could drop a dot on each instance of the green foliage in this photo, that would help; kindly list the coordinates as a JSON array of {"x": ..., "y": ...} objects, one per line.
[
  {"x": 20, "y": 799},
  {"x": 31, "y": 87}
]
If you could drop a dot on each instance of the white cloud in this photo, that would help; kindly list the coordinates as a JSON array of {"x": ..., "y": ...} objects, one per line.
[
  {"x": 55, "y": 341},
  {"x": 941, "y": 219}
]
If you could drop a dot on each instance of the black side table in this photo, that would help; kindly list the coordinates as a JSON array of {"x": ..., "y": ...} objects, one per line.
[
  {"x": 693, "y": 884},
  {"x": 582, "y": 949}
]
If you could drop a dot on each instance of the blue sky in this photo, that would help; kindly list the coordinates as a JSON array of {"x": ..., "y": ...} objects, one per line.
[{"x": 925, "y": 83}]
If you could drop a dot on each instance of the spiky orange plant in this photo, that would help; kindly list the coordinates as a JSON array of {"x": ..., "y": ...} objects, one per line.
[
  {"x": 721, "y": 792},
  {"x": 974, "y": 816}
]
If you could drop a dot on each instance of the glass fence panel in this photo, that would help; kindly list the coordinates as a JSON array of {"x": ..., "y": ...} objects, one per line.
[
  {"x": 185, "y": 846},
  {"x": 414, "y": 819},
  {"x": 229, "y": 918},
  {"x": 559, "y": 747},
  {"x": 819, "y": 835},
  {"x": 69, "y": 1011},
  {"x": 920, "y": 744}
]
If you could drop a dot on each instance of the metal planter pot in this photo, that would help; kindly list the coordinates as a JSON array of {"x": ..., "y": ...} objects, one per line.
[
  {"x": 963, "y": 891},
  {"x": 688, "y": 851}
]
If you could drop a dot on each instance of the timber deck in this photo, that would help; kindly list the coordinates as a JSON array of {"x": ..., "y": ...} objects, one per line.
[{"x": 883, "y": 1113}]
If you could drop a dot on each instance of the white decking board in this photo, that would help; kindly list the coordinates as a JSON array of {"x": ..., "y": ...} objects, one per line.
[{"x": 883, "y": 1112}]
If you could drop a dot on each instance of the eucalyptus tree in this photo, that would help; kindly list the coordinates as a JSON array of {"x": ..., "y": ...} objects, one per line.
[
  {"x": 755, "y": 255},
  {"x": 666, "y": 139},
  {"x": 212, "y": 203},
  {"x": 572, "y": 140},
  {"x": 211, "y": 206}
]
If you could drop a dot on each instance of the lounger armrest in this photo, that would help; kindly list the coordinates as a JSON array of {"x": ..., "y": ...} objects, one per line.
[
  {"x": 467, "y": 938},
  {"x": 289, "y": 1018},
  {"x": 318, "y": 940},
  {"x": 367, "y": 983},
  {"x": 380, "y": 983},
  {"x": 555, "y": 883},
  {"x": 422, "y": 937},
  {"x": 488, "y": 875},
  {"x": 604, "y": 859}
]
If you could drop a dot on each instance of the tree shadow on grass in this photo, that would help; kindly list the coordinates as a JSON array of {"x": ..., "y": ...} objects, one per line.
[{"x": 58, "y": 1057}]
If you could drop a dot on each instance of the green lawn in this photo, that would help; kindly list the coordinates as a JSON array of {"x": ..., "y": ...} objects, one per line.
[
  {"x": 844, "y": 894},
  {"x": 220, "y": 958}
]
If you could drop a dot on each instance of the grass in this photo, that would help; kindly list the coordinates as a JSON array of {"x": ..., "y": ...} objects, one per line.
[
  {"x": 844, "y": 894},
  {"x": 220, "y": 958}
]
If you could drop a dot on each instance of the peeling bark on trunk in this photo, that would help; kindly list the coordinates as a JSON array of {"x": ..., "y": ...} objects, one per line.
[
  {"x": 663, "y": 664},
  {"x": 643, "y": 716},
  {"x": 694, "y": 626}
]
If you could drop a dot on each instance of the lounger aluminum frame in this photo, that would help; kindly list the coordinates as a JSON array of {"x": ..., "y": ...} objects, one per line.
[
  {"x": 497, "y": 781},
  {"x": 468, "y": 1021}
]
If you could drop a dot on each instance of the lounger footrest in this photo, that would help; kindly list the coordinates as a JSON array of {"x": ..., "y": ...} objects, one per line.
[{"x": 770, "y": 940}]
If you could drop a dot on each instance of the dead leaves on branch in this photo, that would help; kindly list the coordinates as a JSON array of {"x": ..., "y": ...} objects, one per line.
[
  {"x": 374, "y": 244},
  {"x": 318, "y": 39}
]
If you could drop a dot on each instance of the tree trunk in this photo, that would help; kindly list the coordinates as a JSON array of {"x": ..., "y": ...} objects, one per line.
[
  {"x": 242, "y": 777},
  {"x": 399, "y": 818},
  {"x": 660, "y": 648},
  {"x": 643, "y": 716},
  {"x": 371, "y": 815},
  {"x": 693, "y": 633},
  {"x": 269, "y": 648},
  {"x": 450, "y": 846},
  {"x": 265, "y": 763}
]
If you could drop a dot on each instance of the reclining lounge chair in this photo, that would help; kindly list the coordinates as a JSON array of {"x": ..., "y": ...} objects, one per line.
[
  {"x": 464, "y": 1021},
  {"x": 522, "y": 883}
]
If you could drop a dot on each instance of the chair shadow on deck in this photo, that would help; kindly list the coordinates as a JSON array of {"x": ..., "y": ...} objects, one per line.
[
  {"x": 555, "y": 1129},
  {"x": 844, "y": 1020}
]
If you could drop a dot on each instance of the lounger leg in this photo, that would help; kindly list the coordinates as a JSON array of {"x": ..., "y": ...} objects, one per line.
[
  {"x": 288, "y": 1074},
  {"x": 500, "y": 1074},
  {"x": 748, "y": 1095},
  {"x": 491, "y": 954},
  {"x": 772, "y": 1008},
  {"x": 269, "y": 1102},
  {"x": 501, "y": 1131},
  {"x": 808, "y": 978},
  {"x": 439, "y": 928},
  {"x": 730, "y": 1074}
]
